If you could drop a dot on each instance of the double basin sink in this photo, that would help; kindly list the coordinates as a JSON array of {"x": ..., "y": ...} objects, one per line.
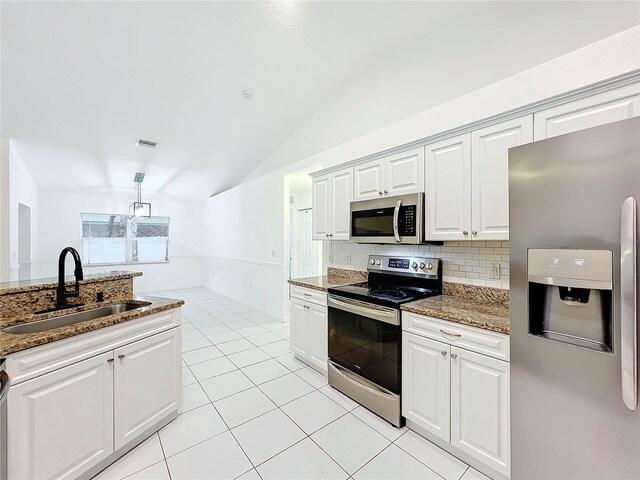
[{"x": 72, "y": 318}]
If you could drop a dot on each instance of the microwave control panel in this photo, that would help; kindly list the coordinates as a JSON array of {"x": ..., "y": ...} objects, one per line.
[{"x": 407, "y": 221}]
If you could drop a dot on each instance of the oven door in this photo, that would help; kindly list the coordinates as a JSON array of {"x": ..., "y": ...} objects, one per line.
[
  {"x": 366, "y": 339},
  {"x": 388, "y": 220}
]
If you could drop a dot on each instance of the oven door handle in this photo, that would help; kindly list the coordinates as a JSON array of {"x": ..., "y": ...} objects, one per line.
[
  {"x": 383, "y": 314},
  {"x": 396, "y": 214}
]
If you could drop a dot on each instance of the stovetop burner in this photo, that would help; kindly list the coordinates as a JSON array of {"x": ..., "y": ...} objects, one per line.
[{"x": 395, "y": 293}]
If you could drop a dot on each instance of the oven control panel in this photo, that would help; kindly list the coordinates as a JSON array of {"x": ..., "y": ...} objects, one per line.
[{"x": 414, "y": 266}]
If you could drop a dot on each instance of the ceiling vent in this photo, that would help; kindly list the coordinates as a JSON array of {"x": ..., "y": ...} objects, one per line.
[{"x": 146, "y": 143}]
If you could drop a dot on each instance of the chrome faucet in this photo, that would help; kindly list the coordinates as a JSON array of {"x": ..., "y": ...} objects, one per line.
[{"x": 62, "y": 292}]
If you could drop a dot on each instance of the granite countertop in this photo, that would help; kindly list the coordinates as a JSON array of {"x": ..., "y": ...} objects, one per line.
[
  {"x": 7, "y": 288},
  {"x": 11, "y": 343},
  {"x": 483, "y": 314},
  {"x": 336, "y": 277}
]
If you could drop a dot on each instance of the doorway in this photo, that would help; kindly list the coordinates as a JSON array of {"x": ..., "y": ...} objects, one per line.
[{"x": 24, "y": 242}]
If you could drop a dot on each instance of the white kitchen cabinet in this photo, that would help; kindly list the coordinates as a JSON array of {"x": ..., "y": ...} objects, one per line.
[
  {"x": 369, "y": 180},
  {"x": 318, "y": 336},
  {"x": 147, "y": 384},
  {"x": 448, "y": 189},
  {"x": 61, "y": 423},
  {"x": 309, "y": 326},
  {"x": 404, "y": 172},
  {"x": 398, "y": 174},
  {"x": 426, "y": 384},
  {"x": 490, "y": 176},
  {"x": 480, "y": 408},
  {"x": 332, "y": 195},
  {"x": 607, "y": 107},
  {"x": 321, "y": 202},
  {"x": 298, "y": 322}
]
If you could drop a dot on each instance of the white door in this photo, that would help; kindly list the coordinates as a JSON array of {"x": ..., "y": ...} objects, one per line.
[
  {"x": 405, "y": 172},
  {"x": 425, "y": 384},
  {"x": 305, "y": 258},
  {"x": 480, "y": 408},
  {"x": 318, "y": 337},
  {"x": 607, "y": 107},
  {"x": 341, "y": 196},
  {"x": 146, "y": 383},
  {"x": 298, "y": 322},
  {"x": 490, "y": 176},
  {"x": 448, "y": 189},
  {"x": 321, "y": 201},
  {"x": 61, "y": 423},
  {"x": 369, "y": 180}
]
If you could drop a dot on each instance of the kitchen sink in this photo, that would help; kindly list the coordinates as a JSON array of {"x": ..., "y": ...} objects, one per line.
[{"x": 72, "y": 318}]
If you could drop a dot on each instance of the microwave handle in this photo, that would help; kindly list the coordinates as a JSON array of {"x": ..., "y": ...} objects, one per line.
[{"x": 396, "y": 213}]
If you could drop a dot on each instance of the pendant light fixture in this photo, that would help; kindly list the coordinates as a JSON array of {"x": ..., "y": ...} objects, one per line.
[{"x": 139, "y": 208}]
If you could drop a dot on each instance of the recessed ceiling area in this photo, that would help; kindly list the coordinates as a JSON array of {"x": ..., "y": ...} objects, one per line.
[{"x": 82, "y": 81}]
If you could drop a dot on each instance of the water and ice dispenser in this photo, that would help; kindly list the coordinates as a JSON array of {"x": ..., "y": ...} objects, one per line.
[{"x": 570, "y": 296}]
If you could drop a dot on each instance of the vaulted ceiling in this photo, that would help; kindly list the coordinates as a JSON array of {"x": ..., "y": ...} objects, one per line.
[{"x": 81, "y": 81}]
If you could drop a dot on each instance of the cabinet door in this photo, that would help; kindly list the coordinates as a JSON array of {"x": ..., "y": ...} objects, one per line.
[
  {"x": 318, "y": 337},
  {"x": 490, "y": 176},
  {"x": 404, "y": 172},
  {"x": 341, "y": 196},
  {"x": 425, "y": 384},
  {"x": 299, "y": 327},
  {"x": 147, "y": 383},
  {"x": 448, "y": 189},
  {"x": 607, "y": 107},
  {"x": 368, "y": 180},
  {"x": 321, "y": 203},
  {"x": 480, "y": 408},
  {"x": 61, "y": 423}
]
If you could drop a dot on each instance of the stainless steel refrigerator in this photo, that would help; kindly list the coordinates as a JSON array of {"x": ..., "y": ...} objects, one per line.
[{"x": 574, "y": 289}]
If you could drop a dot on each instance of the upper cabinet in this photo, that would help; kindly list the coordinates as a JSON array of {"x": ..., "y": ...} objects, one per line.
[
  {"x": 490, "y": 176},
  {"x": 397, "y": 174},
  {"x": 332, "y": 195},
  {"x": 607, "y": 107},
  {"x": 467, "y": 177},
  {"x": 448, "y": 192}
]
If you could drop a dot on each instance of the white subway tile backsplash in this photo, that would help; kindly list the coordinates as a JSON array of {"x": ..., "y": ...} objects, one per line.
[{"x": 463, "y": 262}]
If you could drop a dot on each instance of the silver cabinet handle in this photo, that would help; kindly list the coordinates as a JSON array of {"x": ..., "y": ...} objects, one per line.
[
  {"x": 454, "y": 356},
  {"x": 307, "y": 294},
  {"x": 629, "y": 303},
  {"x": 444, "y": 353},
  {"x": 465, "y": 233},
  {"x": 121, "y": 356},
  {"x": 6, "y": 381},
  {"x": 386, "y": 192},
  {"x": 457, "y": 335},
  {"x": 396, "y": 213},
  {"x": 109, "y": 360},
  {"x": 331, "y": 235},
  {"x": 474, "y": 232},
  {"x": 380, "y": 193}
]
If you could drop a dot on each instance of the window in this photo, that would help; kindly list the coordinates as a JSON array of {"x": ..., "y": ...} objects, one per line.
[{"x": 118, "y": 239}]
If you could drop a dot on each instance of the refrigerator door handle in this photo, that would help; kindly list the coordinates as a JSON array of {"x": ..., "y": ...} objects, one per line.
[{"x": 629, "y": 303}]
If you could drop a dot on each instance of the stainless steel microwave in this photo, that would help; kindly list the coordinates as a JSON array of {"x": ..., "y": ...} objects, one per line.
[{"x": 388, "y": 220}]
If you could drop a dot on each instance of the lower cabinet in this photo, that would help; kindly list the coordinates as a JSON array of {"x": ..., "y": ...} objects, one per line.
[
  {"x": 459, "y": 396},
  {"x": 309, "y": 336},
  {"x": 63, "y": 423},
  {"x": 480, "y": 407},
  {"x": 147, "y": 384}
]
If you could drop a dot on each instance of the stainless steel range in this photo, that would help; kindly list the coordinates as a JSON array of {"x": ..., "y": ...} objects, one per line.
[{"x": 365, "y": 333}]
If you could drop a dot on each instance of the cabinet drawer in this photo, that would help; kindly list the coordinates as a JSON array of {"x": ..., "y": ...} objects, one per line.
[
  {"x": 475, "y": 339},
  {"x": 308, "y": 295}
]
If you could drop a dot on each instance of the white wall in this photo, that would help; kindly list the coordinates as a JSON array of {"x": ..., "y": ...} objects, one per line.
[
  {"x": 4, "y": 209},
  {"x": 24, "y": 191},
  {"x": 59, "y": 223},
  {"x": 243, "y": 255}
]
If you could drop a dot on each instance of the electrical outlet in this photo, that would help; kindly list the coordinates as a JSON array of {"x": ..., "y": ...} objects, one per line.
[
  {"x": 495, "y": 271},
  {"x": 331, "y": 258},
  {"x": 348, "y": 259},
  {"x": 273, "y": 253}
]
